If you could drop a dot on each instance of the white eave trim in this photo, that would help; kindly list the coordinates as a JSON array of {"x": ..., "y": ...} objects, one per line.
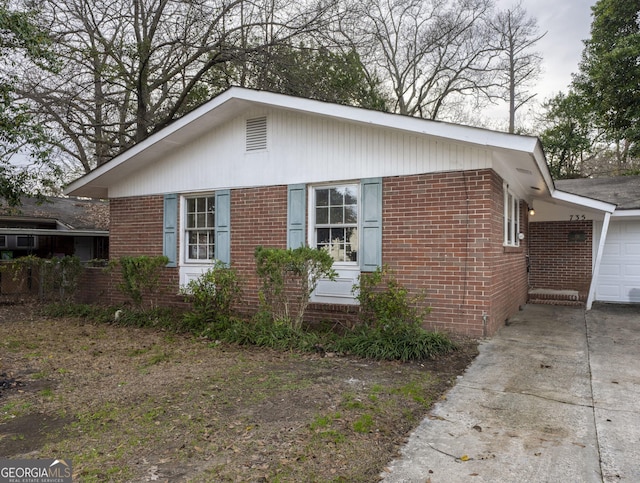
[
  {"x": 626, "y": 213},
  {"x": 583, "y": 201}
]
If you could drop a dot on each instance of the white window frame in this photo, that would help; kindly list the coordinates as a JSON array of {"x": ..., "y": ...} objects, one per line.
[
  {"x": 191, "y": 268},
  {"x": 511, "y": 218},
  {"x": 186, "y": 230},
  {"x": 314, "y": 226},
  {"x": 340, "y": 290}
]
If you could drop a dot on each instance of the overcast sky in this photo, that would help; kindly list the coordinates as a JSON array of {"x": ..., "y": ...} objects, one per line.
[{"x": 567, "y": 23}]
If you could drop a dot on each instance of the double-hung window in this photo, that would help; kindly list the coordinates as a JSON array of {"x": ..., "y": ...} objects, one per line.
[
  {"x": 200, "y": 228},
  {"x": 336, "y": 221},
  {"x": 511, "y": 219}
]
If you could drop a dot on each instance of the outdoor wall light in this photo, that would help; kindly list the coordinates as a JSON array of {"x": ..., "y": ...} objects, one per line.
[{"x": 531, "y": 211}]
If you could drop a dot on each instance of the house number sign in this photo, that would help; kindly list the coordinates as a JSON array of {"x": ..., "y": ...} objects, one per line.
[{"x": 577, "y": 217}]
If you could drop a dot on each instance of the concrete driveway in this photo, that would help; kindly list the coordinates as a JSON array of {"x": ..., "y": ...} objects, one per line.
[{"x": 553, "y": 397}]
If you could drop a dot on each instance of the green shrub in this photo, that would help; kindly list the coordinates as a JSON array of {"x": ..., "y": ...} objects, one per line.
[
  {"x": 288, "y": 279},
  {"x": 141, "y": 278},
  {"x": 96, "y": 313},
  {"x": 399, "y": 342},
  {"x": 383, "y": 301},
  {"x": 57, "y": 278},
  {"x": 213, "y": 296},
  {"x": 264, "y": 332},
  {"x": 164, "y": 318}
]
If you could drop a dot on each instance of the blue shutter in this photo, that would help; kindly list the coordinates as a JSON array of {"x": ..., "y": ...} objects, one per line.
[
  {"x": 371, "y": 249},
  {"x": 170, "y": 238},
  {"x": 296, "y": 215},
  {"x": 223, "y": 226}
]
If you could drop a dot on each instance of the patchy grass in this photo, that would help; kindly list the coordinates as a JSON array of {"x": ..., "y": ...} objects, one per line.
[{"x": 139, "y": 404}]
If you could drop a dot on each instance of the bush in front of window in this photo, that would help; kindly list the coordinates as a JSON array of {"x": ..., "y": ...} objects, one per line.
[
  {"x": 212, "y": 296},
  {"x": 288, "y": 278}
]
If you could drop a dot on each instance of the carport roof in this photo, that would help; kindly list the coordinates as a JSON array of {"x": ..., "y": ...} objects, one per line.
[{"x": 623, "y": 191}]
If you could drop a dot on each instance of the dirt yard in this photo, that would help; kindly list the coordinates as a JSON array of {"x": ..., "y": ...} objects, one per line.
[{"x": 127, "y": 404}]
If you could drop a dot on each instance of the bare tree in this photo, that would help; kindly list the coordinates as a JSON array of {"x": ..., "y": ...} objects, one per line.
[
  {"x": 430, "y": 52},
  {"x": 133, "y": 66},
  {"x": 515, "y": 34}
]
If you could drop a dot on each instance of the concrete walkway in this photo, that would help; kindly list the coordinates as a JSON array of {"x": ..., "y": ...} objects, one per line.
[{"x": 553, "y": 397}]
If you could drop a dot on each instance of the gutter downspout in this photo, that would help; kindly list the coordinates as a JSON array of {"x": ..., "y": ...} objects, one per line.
[{"x": 596, "y": 268}]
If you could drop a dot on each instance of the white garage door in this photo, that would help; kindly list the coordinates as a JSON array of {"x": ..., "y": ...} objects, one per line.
[{"x": 619, "y": 279}]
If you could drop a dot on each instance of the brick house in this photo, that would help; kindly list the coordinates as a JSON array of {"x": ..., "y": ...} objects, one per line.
[{"x": 446, "y": 207}]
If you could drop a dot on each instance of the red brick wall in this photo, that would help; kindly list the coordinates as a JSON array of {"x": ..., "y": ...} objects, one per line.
[
  {"x": 509, "y": 280},
  {"x": 258, "y": 218},
  {"x": 136, "y": 228},
  {"x": 558, "y": 262},
  {"x": 442, "y": 236},
  {"x": 95, "y": 287}
]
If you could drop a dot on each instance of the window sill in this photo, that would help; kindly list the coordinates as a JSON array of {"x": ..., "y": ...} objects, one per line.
[{"x": 510, "y": 249}]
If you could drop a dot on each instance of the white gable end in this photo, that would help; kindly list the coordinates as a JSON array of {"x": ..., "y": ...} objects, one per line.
[{"x": 301, "y": 148}]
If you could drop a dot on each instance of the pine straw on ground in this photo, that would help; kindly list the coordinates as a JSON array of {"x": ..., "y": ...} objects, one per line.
[{"x": 128, "y": 404}]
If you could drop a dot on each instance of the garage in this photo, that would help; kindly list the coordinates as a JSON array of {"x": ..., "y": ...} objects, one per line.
[
  {"x": 565, "y": 256},
  {"x": 619, "y": 277}
]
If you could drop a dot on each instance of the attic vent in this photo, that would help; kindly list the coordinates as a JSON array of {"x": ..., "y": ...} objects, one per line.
[{"x": 256, "y": 134}]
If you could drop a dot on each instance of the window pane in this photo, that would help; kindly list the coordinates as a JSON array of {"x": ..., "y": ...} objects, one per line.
[
  {"x": 191, "y": 205},
  {"x": 201, "y": 220},
  {"x": 351, "y": 195},
  {"x": 322, "y": 235},
  {"x": 337, "y": 235},
  {"x": 336, "y": 215},
  {"x": 322, "y": 197},
  {"x": 352, "y": 245},
  {"x": 336, "y": 197},
  {"x": 191, "y": 220},
  {"x": 322, "y": 216},
  {"x": 201, "y": 204},
  {"x": 351, "y": 214}
]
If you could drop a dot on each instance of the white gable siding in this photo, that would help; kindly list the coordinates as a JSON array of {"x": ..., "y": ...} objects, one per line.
[{"x": 300, "y": 149}]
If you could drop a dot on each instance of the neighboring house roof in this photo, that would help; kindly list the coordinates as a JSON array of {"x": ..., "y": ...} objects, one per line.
[
  {"x": 64, "y": 216},
  {"x": 519, "y": 158},
  {"x": 623, "y": 191}
]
